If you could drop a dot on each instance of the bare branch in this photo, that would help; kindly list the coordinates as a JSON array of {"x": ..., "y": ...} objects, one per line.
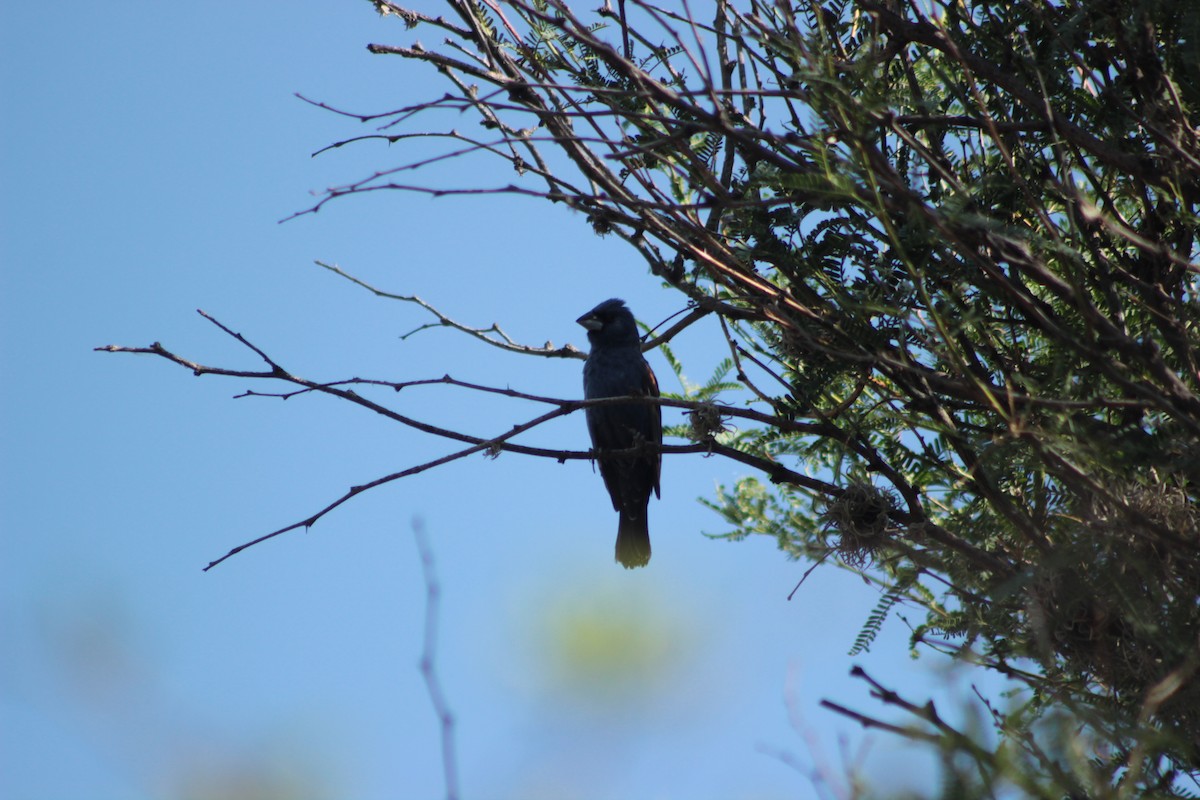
[
  {"x": 775, "y": 471},
  {"x": 308, "y": 522},
  {"x": 428, "y": 667},
  {"x": 504, "y": 342}
]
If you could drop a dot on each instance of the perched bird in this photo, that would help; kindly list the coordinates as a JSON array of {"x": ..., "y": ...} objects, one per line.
[{"x": 615, "y": 368}]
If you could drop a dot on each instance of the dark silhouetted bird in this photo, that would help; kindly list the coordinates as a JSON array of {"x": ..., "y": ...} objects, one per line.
[{"x": 615, "y": 368}]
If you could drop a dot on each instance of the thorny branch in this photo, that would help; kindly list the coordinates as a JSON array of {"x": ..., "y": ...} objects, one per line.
[
  {"x": 956, "y": 740},
  {"x": 493, "y": 446}
]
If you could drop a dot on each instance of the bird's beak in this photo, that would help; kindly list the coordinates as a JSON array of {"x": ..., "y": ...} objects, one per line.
[{"x": 590, "y": 322}]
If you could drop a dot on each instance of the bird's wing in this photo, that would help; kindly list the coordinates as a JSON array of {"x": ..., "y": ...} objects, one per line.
[
  {"x": 650, "y": 388},
  {"x": 608, "y": 434}
]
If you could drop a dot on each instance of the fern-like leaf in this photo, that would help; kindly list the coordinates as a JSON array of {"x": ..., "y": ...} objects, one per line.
[{"x": 871, "y": 628}]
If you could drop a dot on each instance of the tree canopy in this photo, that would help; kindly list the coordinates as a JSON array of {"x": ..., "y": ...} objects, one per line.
[{"x": 952, "y": 248}]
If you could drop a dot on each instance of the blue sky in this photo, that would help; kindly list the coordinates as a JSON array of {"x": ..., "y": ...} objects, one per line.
[{"x": 148, "y": 152}]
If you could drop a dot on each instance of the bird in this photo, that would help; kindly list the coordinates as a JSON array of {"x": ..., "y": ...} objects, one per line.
[{"x": 615, "y": 368}]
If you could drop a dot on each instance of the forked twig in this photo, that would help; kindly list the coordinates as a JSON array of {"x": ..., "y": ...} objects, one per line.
[{"x": 504, "y": 342}]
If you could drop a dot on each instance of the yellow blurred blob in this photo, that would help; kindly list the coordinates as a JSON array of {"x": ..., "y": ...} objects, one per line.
[{"x": 599, "y": 644}]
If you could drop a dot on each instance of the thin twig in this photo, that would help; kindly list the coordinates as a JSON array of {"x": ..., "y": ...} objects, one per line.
[
  {"x": 428, "y": 664},
  {"x": 808, "y": 572},
  {"x": 504, "y": 342},
  {"x": 308, "y": 522}
]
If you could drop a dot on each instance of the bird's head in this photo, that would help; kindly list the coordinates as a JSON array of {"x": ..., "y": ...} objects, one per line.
[{"x": 610, "y": 323}]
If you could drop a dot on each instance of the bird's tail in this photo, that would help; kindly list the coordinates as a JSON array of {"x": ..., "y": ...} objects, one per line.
[{"x": 633, "y": 540}]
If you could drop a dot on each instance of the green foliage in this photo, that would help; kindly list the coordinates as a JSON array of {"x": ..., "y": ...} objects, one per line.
[{"x": 874, "y": 623}]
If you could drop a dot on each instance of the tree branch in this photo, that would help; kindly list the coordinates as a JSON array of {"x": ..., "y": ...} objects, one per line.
[{"x": 775, "y": 471}]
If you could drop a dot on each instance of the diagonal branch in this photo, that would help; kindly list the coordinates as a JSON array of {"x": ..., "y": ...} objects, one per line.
[
  {"x": 308, "y": 522},
  {"x": 504, "y": 342}
]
